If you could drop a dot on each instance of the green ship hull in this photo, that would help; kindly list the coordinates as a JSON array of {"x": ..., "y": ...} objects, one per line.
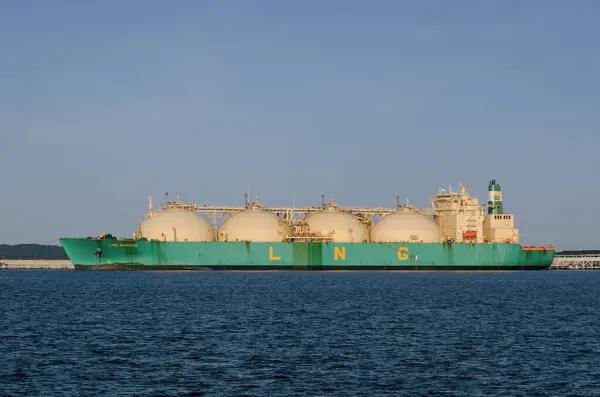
[{"x": 105, "y": 253}]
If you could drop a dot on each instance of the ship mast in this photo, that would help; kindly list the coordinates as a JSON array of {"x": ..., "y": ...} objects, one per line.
[{"x": 149, "y": 206}]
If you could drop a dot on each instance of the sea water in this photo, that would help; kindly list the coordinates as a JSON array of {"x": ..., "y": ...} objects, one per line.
[{"x": 115, "y": 333}]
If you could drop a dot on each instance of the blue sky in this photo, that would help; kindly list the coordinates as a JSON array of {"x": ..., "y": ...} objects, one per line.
[{"x": 105, "y": 102}]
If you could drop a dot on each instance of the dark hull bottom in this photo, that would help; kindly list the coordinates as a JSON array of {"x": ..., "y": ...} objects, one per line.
[{"x": 305, "y": 268}]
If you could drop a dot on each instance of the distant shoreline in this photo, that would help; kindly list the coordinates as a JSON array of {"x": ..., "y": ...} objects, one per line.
[{"x": 32, "y": 252}]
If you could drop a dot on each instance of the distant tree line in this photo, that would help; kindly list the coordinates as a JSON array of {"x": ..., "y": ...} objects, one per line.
[
  {"x": 32, "y": 251},
  {"x": 579, "y": 252}
]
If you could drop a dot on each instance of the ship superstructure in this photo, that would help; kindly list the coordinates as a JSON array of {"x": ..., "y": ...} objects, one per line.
[{"x": 458, "y": 215}]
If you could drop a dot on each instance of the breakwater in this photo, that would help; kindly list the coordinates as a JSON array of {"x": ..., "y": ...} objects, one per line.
[{"x": 35, "y": 264}]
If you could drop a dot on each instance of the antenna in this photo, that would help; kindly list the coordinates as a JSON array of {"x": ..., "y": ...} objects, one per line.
[{"x": 293, "y": 199}]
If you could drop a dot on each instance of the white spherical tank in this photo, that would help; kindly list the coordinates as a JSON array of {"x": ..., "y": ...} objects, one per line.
[
  {"x": 252, "y": 225},
  {"x": 406, "y": 226},
  {"x": 177, "y": 225},
  {"x": 342, "y": 227}
]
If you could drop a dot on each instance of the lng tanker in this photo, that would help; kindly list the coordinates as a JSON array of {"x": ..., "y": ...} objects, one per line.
[{"x": 457, "y": 233}]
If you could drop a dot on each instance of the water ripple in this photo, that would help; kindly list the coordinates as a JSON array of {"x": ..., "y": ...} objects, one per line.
[{"x": 301, "y": 334}]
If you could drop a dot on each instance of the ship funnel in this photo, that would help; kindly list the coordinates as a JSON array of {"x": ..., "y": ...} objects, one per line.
[{"x": 495, "y": 198}]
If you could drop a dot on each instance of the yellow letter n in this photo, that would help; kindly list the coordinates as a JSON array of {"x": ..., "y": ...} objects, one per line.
[{"x": 337, "y": 253}]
